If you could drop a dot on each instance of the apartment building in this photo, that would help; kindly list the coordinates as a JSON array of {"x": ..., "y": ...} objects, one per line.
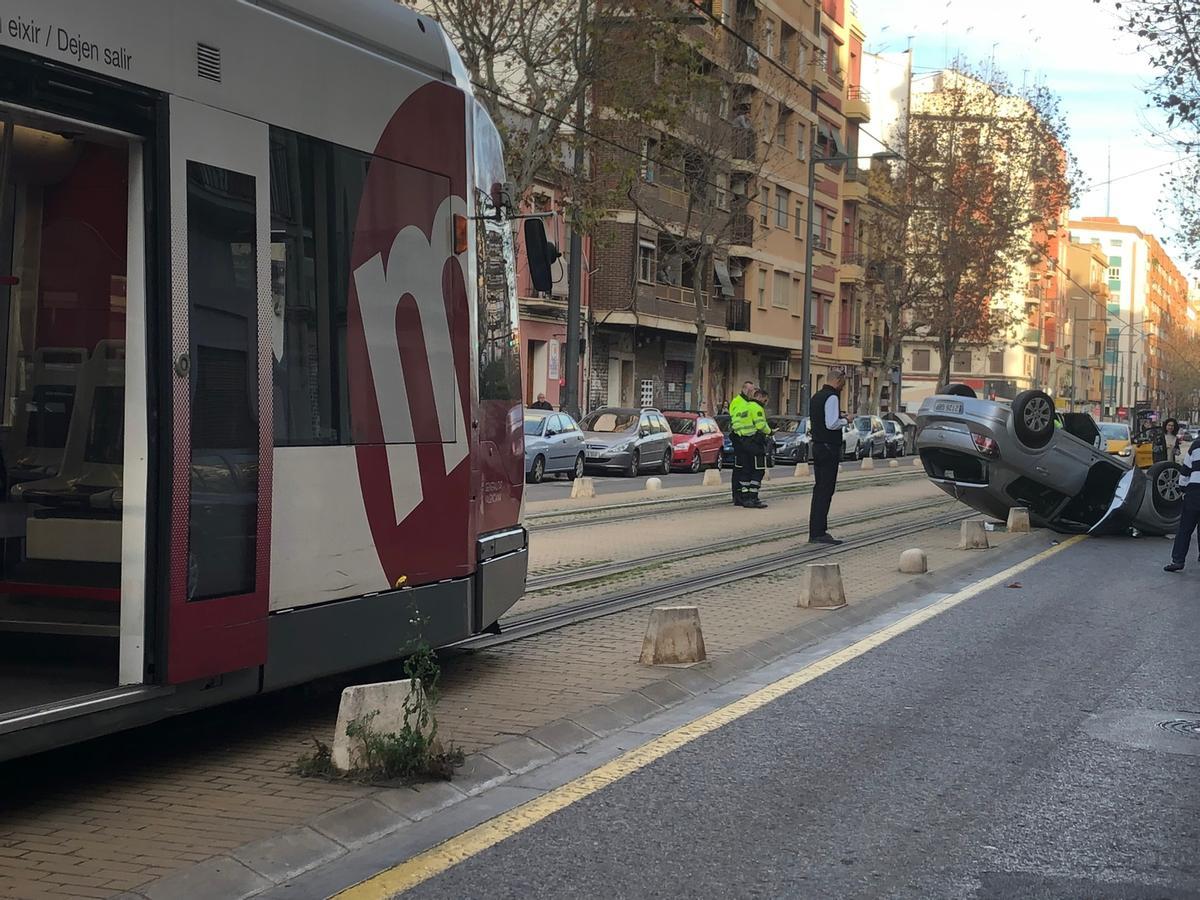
[
  {"x": 1148, "y": 301},
  {"x": 1087, "y": 307}
]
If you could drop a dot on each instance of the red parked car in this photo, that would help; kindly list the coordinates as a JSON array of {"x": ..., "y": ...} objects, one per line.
[{"x": 696, "y": 440}]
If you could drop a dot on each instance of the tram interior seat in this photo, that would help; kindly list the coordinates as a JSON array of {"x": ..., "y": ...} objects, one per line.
[
  {"x": 76, "y": 514},
  {"x": 43, "y": 415}
]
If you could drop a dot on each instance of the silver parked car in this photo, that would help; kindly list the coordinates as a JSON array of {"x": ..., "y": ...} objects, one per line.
[
  {"x": 994, "y": 456},
  {"x": 895, "y": 438},
  {"x": 627, "y": 440},
  {"x": 792, "y": 437},
  {"x": 553, "y": 445},
  {"x": 871, "y": 435}
]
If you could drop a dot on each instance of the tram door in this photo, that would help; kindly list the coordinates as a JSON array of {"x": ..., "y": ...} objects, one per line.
[{"x": 221, "y": 392}]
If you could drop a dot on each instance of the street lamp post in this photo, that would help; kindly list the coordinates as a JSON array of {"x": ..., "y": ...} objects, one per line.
[{"x": 806, "y": 313}]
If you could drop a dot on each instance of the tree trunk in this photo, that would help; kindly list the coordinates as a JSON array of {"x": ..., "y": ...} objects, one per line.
[{"x": 946, "y": 352}]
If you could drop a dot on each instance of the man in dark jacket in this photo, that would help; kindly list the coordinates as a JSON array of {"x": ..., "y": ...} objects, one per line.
[
  {"x": 541, "y": 403},
  {"x": 1189, "y": 484},
  {"x": 826, "y": 421}
]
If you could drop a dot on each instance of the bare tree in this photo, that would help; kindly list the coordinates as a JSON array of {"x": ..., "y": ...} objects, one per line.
[
  {"x": 1168, "y": 31},
  {"x": 988, "y": 176},
  {"x": 530, "y": 64},
  {"x": 894, "y": 289}
]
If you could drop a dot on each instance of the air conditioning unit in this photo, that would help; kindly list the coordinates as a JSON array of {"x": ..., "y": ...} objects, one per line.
[{"x": 777, "y": 368}]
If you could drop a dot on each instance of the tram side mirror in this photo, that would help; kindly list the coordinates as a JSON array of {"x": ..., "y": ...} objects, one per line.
[{"x": 542, "y": 254}]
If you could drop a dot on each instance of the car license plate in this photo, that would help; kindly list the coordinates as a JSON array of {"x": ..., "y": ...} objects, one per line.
[
  {"x": 594, "y": 454},
  {"x": 954, "y": 407}
]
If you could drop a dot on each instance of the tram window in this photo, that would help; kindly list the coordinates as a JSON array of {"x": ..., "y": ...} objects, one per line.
[
  {"x": 315, "y": 192},
  {"x": 106, "y": 430},
  {"x": 49, "y": 416},
  {"x": 223, "y": 294}
]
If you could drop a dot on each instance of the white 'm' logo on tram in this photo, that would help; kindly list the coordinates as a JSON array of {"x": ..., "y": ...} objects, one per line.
[{"x": 414, "y": 267}]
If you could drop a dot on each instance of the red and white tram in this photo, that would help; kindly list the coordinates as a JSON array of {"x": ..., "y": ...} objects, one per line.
[{"x": 261, "y": 406}]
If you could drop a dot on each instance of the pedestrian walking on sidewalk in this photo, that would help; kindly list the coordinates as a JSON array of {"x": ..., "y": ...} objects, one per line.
[
  {"x": 827, "y": 422},
  {"x": 1189, "y": 484}
]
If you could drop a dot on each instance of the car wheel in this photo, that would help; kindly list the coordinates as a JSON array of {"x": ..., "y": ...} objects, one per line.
[
  {"x": 882, "y": 452},
  {"x": 697, "y": 463},
  {"x": 666, "y": 461},
  {"x": 634, "y": 464},
  {"x": 1164, "y": 482},
  {"x": 1033, "y": 418},
  {"x": 958, "y": 389},
  {"x": 538, "y": 470},
  {"x": 576, "y": 472}
]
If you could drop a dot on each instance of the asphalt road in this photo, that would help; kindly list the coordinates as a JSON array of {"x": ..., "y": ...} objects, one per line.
[
  {"x": 1009, "y": 747},
  {"x": 558, "y": 487}
]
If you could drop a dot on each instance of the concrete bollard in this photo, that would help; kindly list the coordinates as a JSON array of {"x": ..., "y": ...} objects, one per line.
[
  {"x": 893, "y": 463},
  {"x": 1018, "y": 520},
  {"x": 654, "y": 484},
  {"x": 917, "y": 464},
  {"x": 821, "y": 587},
  {"x": 583, "y": 488},
  {"x": 973, "y": 536},
  {"x": 766, "y": 475},
  {"x": 712, "y": 477},
  {"x": 914, "y": 562},
  {"x": 673, "y": 636},
  {"x": 868, "y": 463},
  {"x": 801, "y": 471},
  {"x": 383, "y": 702}
]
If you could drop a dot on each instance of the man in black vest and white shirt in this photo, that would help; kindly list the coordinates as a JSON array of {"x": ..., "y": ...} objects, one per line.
[{"x": 826, "y": 421}]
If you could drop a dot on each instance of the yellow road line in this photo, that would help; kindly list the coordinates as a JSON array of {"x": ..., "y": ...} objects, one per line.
[{"x": 458, "y": 849}]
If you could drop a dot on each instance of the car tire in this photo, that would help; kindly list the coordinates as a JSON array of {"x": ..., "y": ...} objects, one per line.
[
  {"x": 577, "y": 471},
  {"x": 1164, "y": 486},
  {"x": 538, "y": 470},
  {"x": 958, "y": 389},
  {"x": 697, "y": 463},
  {"x": 882, "y": 452},
  {"x": 666, "y": 461},
  {"x": 635, "y": 464},
  {"x": 1033, "y": 418}
]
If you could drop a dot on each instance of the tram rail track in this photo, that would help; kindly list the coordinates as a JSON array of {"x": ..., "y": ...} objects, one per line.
[
  {"x": 590, "y": 572},
  {"x": 641, "y": 509},
  {"x": 561, "y": 616}
]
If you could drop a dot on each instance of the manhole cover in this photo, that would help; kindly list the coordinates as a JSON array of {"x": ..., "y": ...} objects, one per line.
[{"x": 1186, "y": 727}]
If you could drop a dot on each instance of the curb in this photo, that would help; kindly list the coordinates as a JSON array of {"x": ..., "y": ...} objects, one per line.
[{"x": 270, "y": 862}]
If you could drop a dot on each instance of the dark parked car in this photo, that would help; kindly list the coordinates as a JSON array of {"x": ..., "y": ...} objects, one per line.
[
  {"x": 872, "y": 438},
  {"x": 553, "y": 445},
  {"x": 994, "y": 456},
  {"x": 727, "y": 455},
  {"x": 627, "y": 440},
  {"x": 791, "y": 436},
  {"x": 895, "y": 438}
]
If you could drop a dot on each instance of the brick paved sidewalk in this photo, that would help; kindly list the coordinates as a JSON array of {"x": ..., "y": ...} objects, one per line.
[{"x": 118, "y": 813}]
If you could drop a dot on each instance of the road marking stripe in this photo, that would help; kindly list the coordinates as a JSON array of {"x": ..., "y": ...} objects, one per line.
[{"x": 458, "y": 849}]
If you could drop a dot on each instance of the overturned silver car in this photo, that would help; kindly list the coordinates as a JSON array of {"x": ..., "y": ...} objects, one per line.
[{"x": 995, "y": 455}]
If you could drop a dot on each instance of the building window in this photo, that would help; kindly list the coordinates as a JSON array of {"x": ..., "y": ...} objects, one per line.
[
  {"x": 647, "y": 261},
  {"x": 1117, "y": 243},
  {"x": 783, "y": 201},
  {"x": 801, "y": 131},
  {"x": 799, "y": 221},
  {"x": 797, "y": 294},
  {"x": 920, "y": 362},
  {"x": 762, "y": 288},
  {"x": 1114, "y": 271},
  {"x": 649, "y": 154},
  {"x": 764, "y": 205},
  {"x": 769, "y": 38},
  {"x": 722, "y": 191},
  {"x": 783, "y": 285},
  {"x": 726, "y": 102},
  {"x": 996, "y": 362},
  {"x": 647, "y": 392},
  {"x": 781, "y": 125},
  {"x": 961, "y": 361}
]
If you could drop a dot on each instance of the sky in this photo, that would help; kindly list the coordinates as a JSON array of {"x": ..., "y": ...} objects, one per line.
[{"x": 1075, "y": 47}]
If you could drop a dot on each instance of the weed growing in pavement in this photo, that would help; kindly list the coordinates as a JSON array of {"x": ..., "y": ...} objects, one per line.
[{"x": 413, "y": 752}]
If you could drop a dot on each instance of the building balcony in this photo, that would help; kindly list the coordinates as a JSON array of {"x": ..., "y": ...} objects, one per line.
[
  {"x": 873, "y": 348},
  {"x": 742, "y": 229},
  {"x": 853, "y": 267},
  {"x": 682, "y": 295},
  {"x": 849, "y": 339},
  {"x": 856, "y": 185},
  {"x": 737, "y": 315},
  {"x": 858, "y": 104}
]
